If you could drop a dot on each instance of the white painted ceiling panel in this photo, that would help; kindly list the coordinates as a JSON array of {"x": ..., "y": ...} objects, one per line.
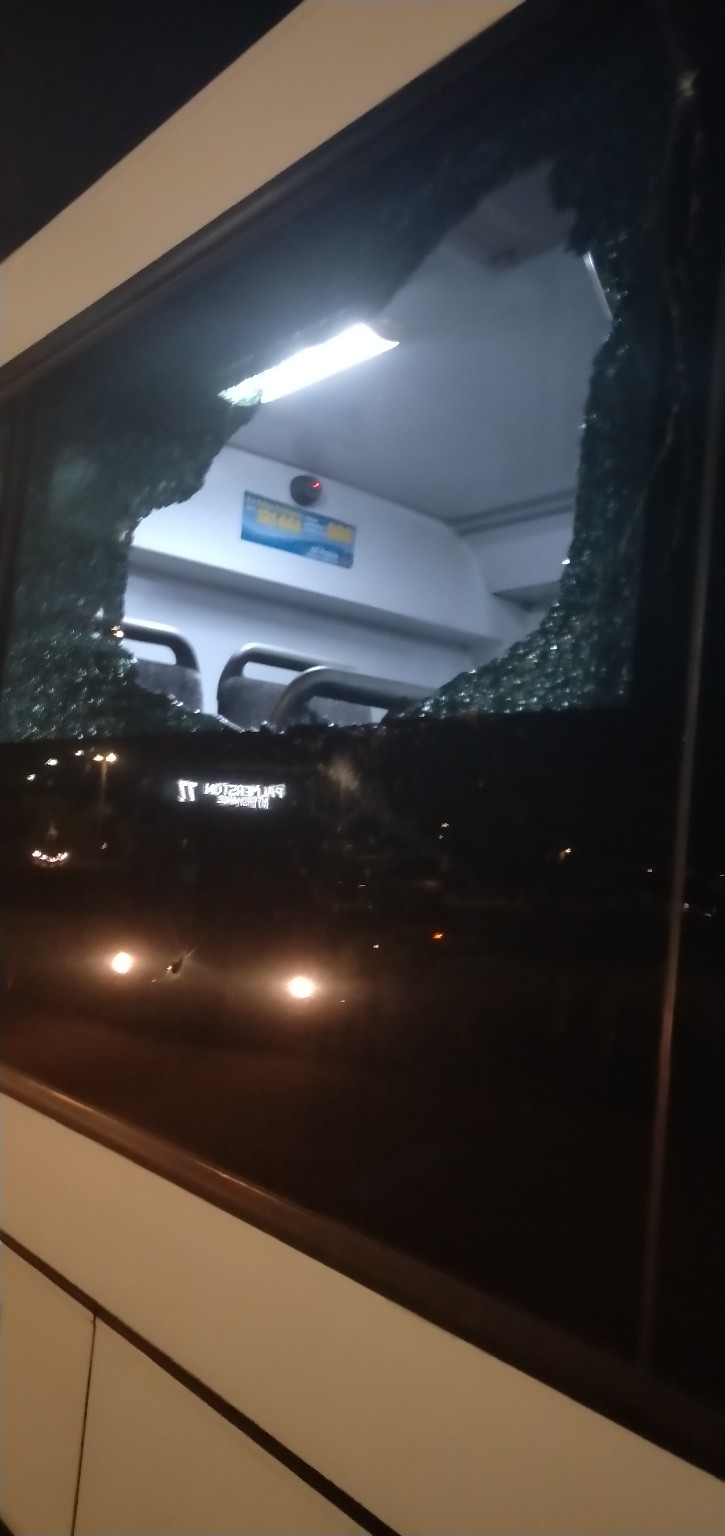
[{"x": 481, "y": 403}]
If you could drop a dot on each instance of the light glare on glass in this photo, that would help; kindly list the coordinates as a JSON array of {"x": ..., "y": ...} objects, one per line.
[
  {"x": 122, "y": 962},
  {"x": 301, "y": 986},
  {"x": 356, "y": 344}
]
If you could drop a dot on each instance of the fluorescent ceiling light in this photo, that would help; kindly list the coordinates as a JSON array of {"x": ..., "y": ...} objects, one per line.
[{"x": 354, "y": 345}]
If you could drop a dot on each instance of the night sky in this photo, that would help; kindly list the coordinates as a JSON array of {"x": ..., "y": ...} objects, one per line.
[{"x": 83, "y": 82}]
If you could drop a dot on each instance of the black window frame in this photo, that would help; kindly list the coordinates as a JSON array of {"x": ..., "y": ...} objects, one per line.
[{"x": 638, "y": 1401}]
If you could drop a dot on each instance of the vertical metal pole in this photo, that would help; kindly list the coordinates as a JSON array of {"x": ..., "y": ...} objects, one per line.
[{"x": 712, "y": 471}]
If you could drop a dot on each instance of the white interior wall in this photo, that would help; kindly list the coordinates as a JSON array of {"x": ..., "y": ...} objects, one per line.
[
  {"x": 523, "y": 555},
  {"x": 218, "y": 622},
  {"x": 405, "y": 565},
  {"x": 411, "y": 606}
]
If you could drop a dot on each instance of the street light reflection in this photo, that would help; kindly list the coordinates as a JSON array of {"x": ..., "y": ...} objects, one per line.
[
  {"x": 301, "y": 987},
  {"x": 122, "y": 962}
]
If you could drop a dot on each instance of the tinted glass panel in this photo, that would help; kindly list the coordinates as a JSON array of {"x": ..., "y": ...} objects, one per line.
[
  {"x": 689, "y": 1339},
  {"x": 391, "y": 941}
]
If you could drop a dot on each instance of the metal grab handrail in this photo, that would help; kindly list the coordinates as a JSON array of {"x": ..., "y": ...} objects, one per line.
[
  {"x": 350, "y": 687},
  {"x": 159, "y": 634},
  {"x": 267, "y": 656}
]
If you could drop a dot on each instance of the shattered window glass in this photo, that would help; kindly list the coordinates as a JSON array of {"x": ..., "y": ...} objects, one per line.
[{"x": 397, "y": 462}]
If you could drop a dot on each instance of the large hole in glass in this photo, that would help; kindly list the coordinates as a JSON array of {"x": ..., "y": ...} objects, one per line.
[
  {"x": 469, "y": 356},
  {"x": 435, "y": 521}
]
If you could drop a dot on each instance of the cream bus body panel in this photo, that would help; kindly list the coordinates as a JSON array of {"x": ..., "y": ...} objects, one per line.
[
  {"x": 323, "y": 67},
  {"x": 428, "y": 1432}
]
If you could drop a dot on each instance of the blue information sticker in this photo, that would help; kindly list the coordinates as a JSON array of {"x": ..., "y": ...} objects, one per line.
[{"x": 297, "y": 531}]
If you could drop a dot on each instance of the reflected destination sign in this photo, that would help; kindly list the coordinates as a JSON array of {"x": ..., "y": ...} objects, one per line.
[{"x": 240, "y": 797}]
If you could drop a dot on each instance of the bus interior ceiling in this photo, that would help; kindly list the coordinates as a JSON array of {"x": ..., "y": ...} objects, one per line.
[{"x": 453, "y": 456}]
